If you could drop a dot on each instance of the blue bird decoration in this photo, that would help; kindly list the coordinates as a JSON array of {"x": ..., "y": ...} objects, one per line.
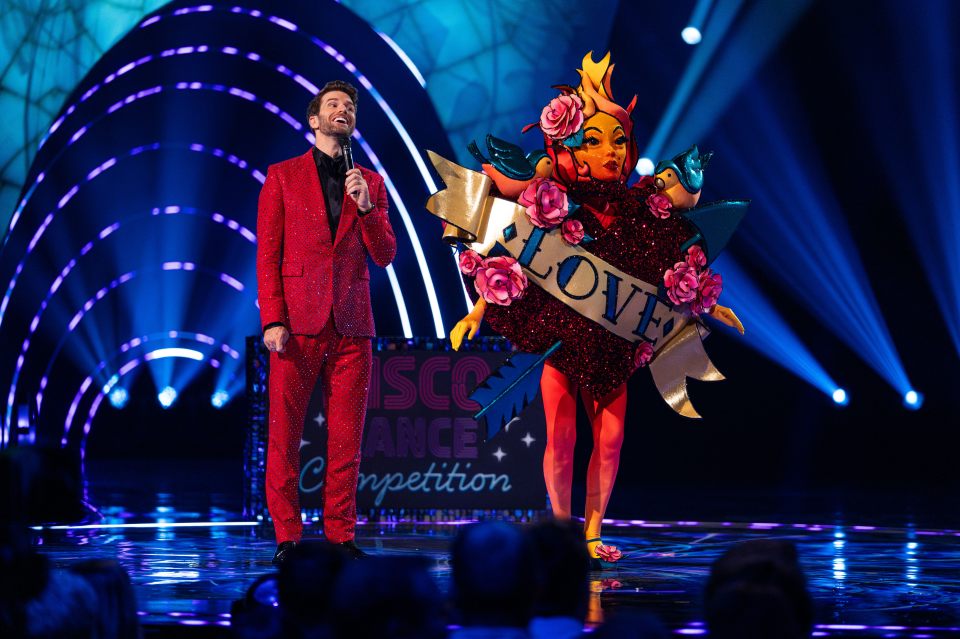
[
  {"x": 681, "y": 178},
  {"x": 509, "y": 167}
]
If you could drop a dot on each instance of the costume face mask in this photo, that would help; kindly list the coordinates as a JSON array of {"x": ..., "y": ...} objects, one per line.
[
  {"x": 588, "y": 135},
  {"x": 604, "y": 147}
]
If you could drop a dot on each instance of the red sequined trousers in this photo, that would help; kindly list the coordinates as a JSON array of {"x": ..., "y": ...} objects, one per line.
[{"x": 342, "y": 366}]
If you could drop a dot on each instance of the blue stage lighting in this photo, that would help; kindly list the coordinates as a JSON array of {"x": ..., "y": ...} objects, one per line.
[
  {"x": 119, "y": 397},
  {"x": 799, "y": 231},
  {"x": 840, "y": 397},
  {"x": 220, "y": 398},
  {"x": 766, "y": 330},
  {"x": 735, "y": 43},
  {"x": 691, "y": 35},
  {"x": 912, "y": 399},
  {"x": 167, "y": 396},
  {"x": 920, "y": 128},
  {"x": 645, "y": 166}
]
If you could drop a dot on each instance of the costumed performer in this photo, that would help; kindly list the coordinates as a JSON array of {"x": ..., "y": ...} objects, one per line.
[{"x": 579, "y": 184}]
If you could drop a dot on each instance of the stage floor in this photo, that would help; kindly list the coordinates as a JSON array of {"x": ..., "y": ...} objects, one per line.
[
  {"x": 876, "y": 565},
  {"x": 891, "y": 582}
]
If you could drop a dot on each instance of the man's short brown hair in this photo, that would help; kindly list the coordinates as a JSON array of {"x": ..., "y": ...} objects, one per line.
[{"x": 334, "y": 85}]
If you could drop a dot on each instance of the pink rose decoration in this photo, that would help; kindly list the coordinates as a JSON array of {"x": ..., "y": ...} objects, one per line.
[
  {"x": 610, "y": 584},
  {"x": 562, "y": 117},
  {"x": 643, "y": 354},
  {"x": 470, "y": 261},
  {"x": 696, "y": 257},
  {"x": 711, "y": 285},
  {"x": 572, "y": 231},
  {"x": 546, "y": 203},
  {"x": 609, "y": 553},
  {"x": 682, "y": 283},
  {"x": 500, "y": 280},
  {"x": 659, "y": 205}
]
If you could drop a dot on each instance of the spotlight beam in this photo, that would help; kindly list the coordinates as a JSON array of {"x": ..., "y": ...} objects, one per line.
[
  {"x": 766, "y": 330},
  {"x": 719, "y": 67},
  {"x": 929, "y": 200},
  {"x": 123, "y": 279},
  {"x": 103, "y": 235},
  {"x": 124, "y": 368},
  {"x": 800, "y": 232},
  {"x": 722, "y": 18},
  {"x": 98, "y": 399}
]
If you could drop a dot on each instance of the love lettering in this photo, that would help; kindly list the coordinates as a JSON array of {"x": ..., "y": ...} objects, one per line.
[{"x": 622, "y": 304}]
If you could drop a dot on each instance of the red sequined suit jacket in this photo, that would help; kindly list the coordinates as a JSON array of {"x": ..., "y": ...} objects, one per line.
[{"x": 303, "y": 274}]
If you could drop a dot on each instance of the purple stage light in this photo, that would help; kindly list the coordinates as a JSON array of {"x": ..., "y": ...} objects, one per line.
[
  {"x": 187, "y": 266},
  {"x": 231, "y": 281},
  {"x": 129, "y": 366},
  {"x": 286, "y": 24},
  {"x": 73, "y": 190},
  {"x": 78, "y": 134},
  {"x": 246, "y": 95}
]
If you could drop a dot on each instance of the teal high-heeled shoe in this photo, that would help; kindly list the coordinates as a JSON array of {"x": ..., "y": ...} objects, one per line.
[{"x": 609, "y": 556}]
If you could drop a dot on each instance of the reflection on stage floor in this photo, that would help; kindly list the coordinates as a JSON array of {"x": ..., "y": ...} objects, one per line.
[{"x": 189, "y": 565}]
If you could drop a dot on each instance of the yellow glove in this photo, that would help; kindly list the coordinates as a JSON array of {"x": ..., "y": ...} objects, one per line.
[
  {"x": 726, "y": 315},
  {"x": 469, "y": 325}
]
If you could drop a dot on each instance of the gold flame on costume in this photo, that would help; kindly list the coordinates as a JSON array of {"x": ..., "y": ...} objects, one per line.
[{"x": 595, "y": 89}]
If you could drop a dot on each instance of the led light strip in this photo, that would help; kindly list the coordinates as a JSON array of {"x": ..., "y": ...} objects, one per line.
[
  {"x": 273, "y": 109},
  {"x": 123, "y": 279},
  {"x": 183, "y": 524},
  {"x": 102, "y": 235},
  {"x": 364, "y": 81}
]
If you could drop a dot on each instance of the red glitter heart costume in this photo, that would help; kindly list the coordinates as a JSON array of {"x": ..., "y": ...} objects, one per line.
[
  {"x": 627, "y": 236},
  {"x": 319, "y": 288},
  {"x": 588, "y": 138}
]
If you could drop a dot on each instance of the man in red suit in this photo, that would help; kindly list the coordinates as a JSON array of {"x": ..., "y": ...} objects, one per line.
[{"x": 316, "y": 225}]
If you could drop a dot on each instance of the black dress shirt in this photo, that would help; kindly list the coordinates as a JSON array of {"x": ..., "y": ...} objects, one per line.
[{"x": 331, "y": 173}]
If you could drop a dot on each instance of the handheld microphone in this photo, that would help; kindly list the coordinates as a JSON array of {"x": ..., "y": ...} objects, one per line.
[{"x": 346, "y": 149}]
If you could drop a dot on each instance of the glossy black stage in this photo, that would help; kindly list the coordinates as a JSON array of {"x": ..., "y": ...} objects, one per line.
[{"x": 190, "y": 554}]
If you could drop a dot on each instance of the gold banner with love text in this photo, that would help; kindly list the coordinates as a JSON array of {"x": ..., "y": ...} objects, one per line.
[{"x": 622, "y": 304}]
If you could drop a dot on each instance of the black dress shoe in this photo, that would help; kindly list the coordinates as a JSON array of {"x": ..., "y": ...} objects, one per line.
[
  {"x": 283, "y": 552},
  {"x": 352, "y": 550}
]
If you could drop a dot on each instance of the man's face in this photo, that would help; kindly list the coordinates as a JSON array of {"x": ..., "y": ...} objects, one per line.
[{"x": 337, "y": 116}]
